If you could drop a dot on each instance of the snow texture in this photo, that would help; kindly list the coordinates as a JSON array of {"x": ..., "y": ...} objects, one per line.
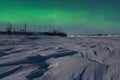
[{"x": 59, "y": 58}]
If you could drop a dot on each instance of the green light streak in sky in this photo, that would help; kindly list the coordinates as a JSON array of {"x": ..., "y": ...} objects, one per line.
[
  {"x": 56, "y": 17},
  {"x": 91, "y": 13}
]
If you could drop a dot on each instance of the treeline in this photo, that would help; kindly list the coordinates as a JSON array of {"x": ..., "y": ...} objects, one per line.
[{"x": 10, "y": 30}]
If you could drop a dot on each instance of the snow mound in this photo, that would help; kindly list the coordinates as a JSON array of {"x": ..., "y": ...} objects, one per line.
[{"x": 59, "y": 58}]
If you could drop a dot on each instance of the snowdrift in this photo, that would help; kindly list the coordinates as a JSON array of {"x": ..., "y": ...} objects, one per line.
[{"x": 59, "y": 58}]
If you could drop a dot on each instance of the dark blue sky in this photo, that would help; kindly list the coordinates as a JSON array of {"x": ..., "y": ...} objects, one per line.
[{"x": 75, "y": 16}]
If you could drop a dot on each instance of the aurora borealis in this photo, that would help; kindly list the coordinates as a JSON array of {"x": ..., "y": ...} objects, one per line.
[{"x": 75, "y": 16}]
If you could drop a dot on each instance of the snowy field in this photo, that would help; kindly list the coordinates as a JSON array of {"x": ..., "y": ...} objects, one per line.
[{"x": 59, "y": 58}]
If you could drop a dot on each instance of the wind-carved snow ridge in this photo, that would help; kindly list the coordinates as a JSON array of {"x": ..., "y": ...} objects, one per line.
[
  {"x": 7, "y": 73},
  {"x": 44, "y": 66},
  {"x": 57, "y": 58},
  {"x": 36, "y": 60}
]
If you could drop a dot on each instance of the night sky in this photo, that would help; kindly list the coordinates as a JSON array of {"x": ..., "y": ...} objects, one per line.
[{"x": 74, "y": 16}]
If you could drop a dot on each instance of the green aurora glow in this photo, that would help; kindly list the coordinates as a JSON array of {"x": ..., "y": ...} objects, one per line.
[{"x": 101, "y": 15}]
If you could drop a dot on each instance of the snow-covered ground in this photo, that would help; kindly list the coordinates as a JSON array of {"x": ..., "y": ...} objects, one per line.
[{"x": 59, "y": 58}]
